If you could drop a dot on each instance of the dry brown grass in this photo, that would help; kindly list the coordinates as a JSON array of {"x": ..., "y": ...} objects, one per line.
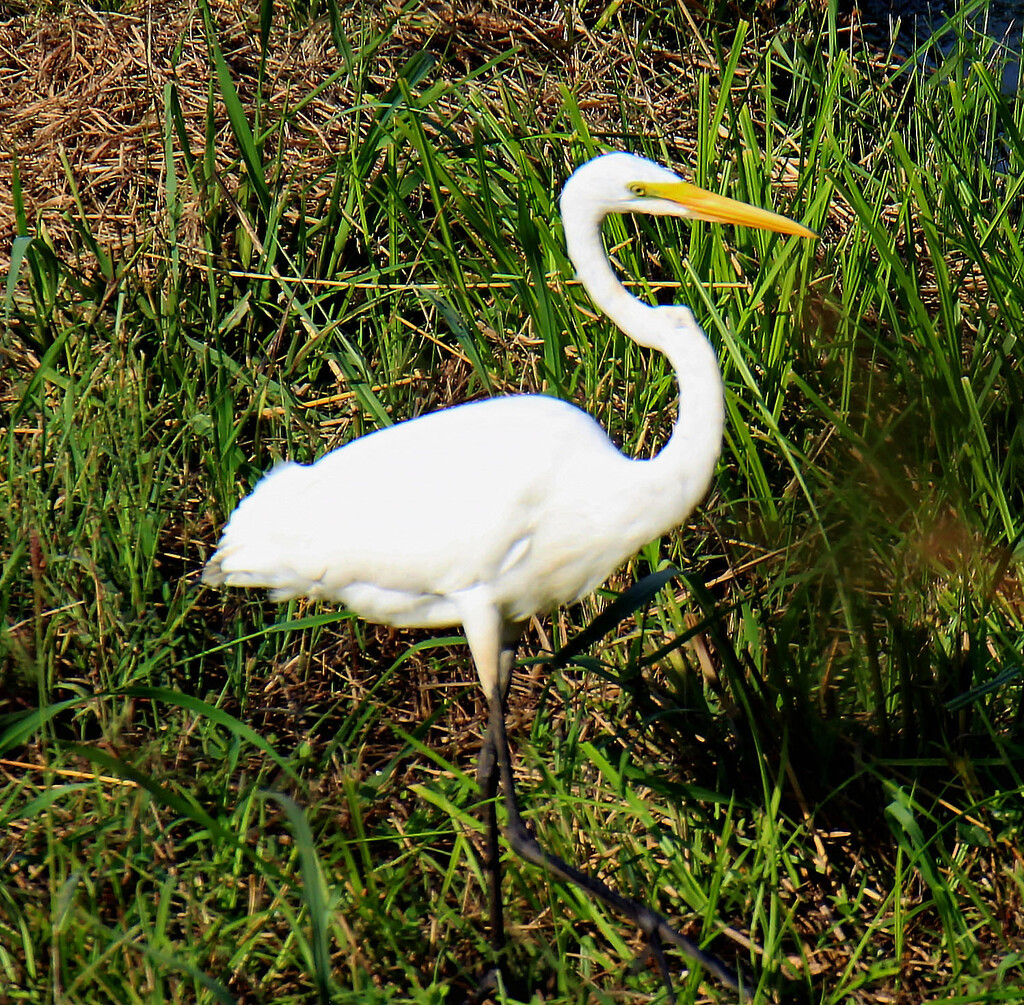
[
  {"x": 82, "y": 95},
  {"x": 82, "y": 107}
]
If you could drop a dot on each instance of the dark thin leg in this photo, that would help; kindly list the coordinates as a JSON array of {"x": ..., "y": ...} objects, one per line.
[
  {"x": 655, "y": 928},
  {"x": 487, "y": 779}
]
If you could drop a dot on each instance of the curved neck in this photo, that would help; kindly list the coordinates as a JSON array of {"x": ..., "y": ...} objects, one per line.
[
  {"x": 696, "y": 441},
  {"x": 685, "y": 464},
  {"x": 593, "y": 269}
]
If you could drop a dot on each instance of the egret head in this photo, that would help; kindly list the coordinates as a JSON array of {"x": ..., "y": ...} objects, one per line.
[{"x": 624, "y": 183}]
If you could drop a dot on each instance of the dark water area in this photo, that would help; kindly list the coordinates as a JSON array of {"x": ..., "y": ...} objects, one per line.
[{"x": 992, "y": 32}]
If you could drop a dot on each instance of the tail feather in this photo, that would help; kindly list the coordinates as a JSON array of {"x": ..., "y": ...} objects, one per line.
[{"x": 259, "y": 546}]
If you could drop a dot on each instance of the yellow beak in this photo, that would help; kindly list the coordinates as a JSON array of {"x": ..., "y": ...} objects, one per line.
[{"x": 706, "y": 205}]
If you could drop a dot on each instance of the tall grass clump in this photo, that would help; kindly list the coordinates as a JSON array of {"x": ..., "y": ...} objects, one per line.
[{"x": 803, "y": 746}]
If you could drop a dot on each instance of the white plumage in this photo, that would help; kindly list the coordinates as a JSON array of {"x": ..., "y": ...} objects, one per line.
[
  {"x": 484, "y": 514},
  {"x": 521, "y": 494},
  {"x": 515, "y": 504}
]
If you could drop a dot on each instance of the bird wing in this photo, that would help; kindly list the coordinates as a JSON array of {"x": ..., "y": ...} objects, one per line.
[{"x": 429, "y": 507}]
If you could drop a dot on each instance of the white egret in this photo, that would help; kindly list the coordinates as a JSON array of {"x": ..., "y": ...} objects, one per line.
[{"x": 539, "y": 508}]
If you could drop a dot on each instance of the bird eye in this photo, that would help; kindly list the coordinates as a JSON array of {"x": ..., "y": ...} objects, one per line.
[{"x": 637, "y": 189}]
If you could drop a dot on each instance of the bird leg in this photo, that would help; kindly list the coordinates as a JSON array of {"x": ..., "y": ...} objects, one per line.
[
  {"x": 656, "y": 929},
  {"x": 487, "y": 779}
]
